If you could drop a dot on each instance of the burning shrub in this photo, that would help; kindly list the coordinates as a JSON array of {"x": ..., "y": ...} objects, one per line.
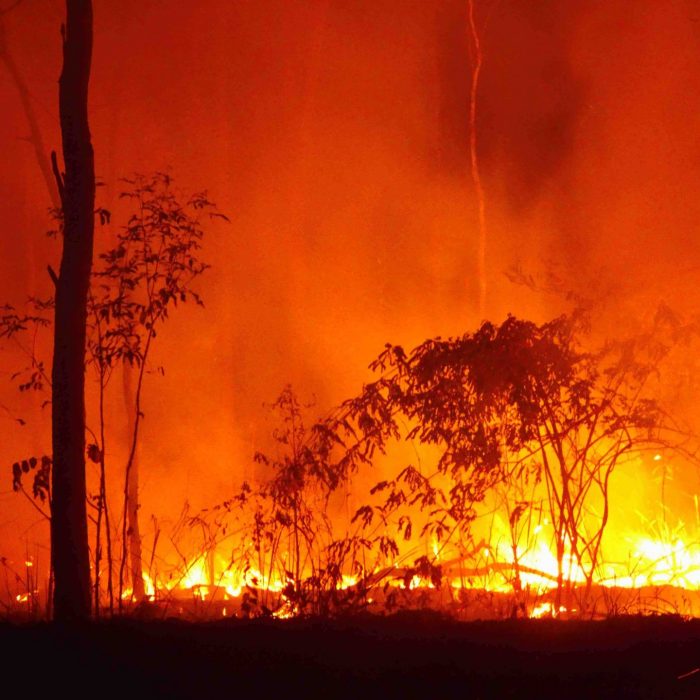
[
  {"x": 517, "y": 419},
  {"x": 518, "y": 403}
]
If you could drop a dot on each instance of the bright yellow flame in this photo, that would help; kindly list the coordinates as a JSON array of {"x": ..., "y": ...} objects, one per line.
[
  {"x": 196, "y": 574},
  {"x": 547, "y": 610},
  {"x": 531, "y": 566},
  {"x": 348, "y": 582},
  {"x": 542, "y": 610}
]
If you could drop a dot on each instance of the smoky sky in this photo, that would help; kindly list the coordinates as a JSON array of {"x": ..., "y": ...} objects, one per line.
[
  {"x": 334, "y": 134},
  {"x": 529, "y": 95}
]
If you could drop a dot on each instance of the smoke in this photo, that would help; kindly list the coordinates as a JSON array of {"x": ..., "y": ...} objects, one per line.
[{"x": 334, "y": 134}]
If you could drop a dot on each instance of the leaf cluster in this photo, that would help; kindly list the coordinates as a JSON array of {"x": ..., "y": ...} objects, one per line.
[
  {"x": 148, "y": 272},
  {"x": 40, "y": 467}
]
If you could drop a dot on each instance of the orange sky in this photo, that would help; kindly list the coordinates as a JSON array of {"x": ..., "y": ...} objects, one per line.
[{"x": 334, "y": 134}]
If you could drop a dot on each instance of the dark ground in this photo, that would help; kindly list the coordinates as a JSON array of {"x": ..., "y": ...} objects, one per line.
[{"x": 405, "y": 655}]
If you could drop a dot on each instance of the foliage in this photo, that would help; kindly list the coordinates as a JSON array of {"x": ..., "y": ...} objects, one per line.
[
  {"x": 509, "y": 404},
  {"x": 474, "y": 398},
  {"x": 523, "y": 410},
  {"x": 518, "y": 409},
  {"x": 16, "y": 325},
  {"x": 40, "y": 467},
  {"x": 135, "y": 285},
  {"x": 287, "y": 550},
  {"x": 148, "y": 271}
]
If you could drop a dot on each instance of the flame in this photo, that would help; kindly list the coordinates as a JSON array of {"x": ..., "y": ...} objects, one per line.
[
  {"x": 149, "y": 586},
  {"x": 196, "y": 574},
  {"x": 667, "y": 563},
  {"x": 549, "y": 610},
  {"x": 348, "y": 582},
  {"x": 515, "y": 558},
  {"x": 531, "y": 567},
  {"x": 651, "y": 562}
]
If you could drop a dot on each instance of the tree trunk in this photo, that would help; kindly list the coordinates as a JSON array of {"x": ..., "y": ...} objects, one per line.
[
  {"x": 132, "y": 490},
  {"x": 69, "y": 537}
]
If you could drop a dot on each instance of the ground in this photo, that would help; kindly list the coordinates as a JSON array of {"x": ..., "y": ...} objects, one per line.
[{"x": 401, "y": 656}]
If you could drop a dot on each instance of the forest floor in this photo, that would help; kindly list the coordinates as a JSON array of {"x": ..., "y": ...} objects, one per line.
[{"x": 404, "y": 655}]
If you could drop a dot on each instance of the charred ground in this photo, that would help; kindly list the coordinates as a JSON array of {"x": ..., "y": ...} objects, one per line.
[{"x": 403, "y": 655}]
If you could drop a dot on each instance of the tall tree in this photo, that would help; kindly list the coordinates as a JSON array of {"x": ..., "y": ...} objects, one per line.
[{"x": 69, "y": 536}]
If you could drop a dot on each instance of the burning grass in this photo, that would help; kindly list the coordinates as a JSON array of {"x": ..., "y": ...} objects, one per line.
[{"x": 508, "y": 442}]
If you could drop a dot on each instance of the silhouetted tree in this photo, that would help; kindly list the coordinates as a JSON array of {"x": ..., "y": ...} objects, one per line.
[
  {"x": 506, "y": 403},
  {"x": 136, "y": 286},
  {"x": 69, "y": 535}
]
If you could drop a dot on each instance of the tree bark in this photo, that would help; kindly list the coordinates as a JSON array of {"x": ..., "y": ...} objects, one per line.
[
  {"x": 132, "y": 490},
  {"x": 69, "y": 537}
]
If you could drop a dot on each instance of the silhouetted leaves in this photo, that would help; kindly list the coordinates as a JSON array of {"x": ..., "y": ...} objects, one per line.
[
  {"x": 147, "y": 272},
  {"x": 508, "y": 402},
  {"x": 94, "y": 453},
  {"x": 41, "y": 483}
]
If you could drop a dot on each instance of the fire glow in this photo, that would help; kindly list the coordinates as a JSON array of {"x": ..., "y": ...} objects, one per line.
[
  {"x": 646, "y": 575},
  {"x": 524, "y": 468},
  {"x": 524, "y": 512},
  {"x": 652, "y": 564}
]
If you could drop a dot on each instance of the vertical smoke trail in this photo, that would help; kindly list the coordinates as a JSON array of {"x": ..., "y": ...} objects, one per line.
[{"x": 477, "y": 60}]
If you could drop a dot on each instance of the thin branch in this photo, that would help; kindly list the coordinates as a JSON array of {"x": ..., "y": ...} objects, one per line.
[{"x": 33, "y": 502}]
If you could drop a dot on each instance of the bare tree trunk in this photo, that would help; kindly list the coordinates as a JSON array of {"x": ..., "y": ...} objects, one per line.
[
  {"x": 69, "y": 536},
  {"x": 132, "y": 500},
  {"x": 131, "y": 494}
]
